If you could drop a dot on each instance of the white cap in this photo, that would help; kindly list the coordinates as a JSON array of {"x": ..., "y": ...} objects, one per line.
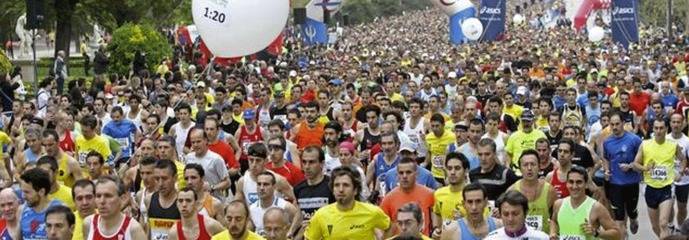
[
  {"x": 292, "y": 73},
  {"x": 407, "y": 146},
  {"x": 452, "y": 75},
  {"x": 521, "y": 90}
]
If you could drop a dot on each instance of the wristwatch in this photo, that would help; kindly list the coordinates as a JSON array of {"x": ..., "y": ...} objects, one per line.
[{"x": 596, "y": 233}]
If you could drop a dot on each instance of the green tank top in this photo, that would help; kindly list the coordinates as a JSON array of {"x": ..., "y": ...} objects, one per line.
[
  {"x": 569, "y": 220},
  {"x": 539, "y": 212},
  {"x": 663, "y": 156}
]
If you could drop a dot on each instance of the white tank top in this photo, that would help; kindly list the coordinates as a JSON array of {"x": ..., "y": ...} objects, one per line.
[
  {"x": 181, "y": 136},
  {"x": 683, "y": 143},
  {"x": 250, "y": 189},
  {"x": 264, "y": 117},
  {"x": 257, "y": 212},
  {"x": 136, "y": 120},
  {"x": 416, "y": 135},
  {"x": 499, "y": 144}
]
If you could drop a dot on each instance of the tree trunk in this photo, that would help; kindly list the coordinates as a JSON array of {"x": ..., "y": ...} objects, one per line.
[
  {"x": 63, "y": 31},
  {"x": 686, "y": 23}
]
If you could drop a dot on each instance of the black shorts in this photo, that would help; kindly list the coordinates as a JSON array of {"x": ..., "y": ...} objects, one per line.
[
  {"x": 682, "y": 193},
  {"x": 655, "y": 196},
  {"x": 623, "y": 200}
]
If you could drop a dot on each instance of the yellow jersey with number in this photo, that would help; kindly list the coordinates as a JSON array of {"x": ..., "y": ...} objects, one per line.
[
  {"x": 663, "y": 157},
  {"x": 358, "y": 223},
  {"x": 436, "y": 148}
]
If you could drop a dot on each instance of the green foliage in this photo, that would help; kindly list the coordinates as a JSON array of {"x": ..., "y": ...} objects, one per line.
[
  {"x": 130, "y": 38},
  {"x": 5, "y": 64},
  {"x": 361, "y": 11},
  {"x": 654, "y": 13}
]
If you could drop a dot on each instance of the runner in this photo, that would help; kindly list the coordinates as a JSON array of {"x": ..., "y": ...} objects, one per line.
[
  {"x": 513, "y": 207},
  {"x": 35, "y": 185},
  {"x": 124, "y": 131},
  {"x": 57, "y": 191},
  {"x": 59, "y": 222},
  {"x": 387, "y": 159},
  {"x": 217, "y": 174},
  {"x": 546, "y": 163},
  {"x": 265, "y": 182},
  {"x": 276, "y": 224},
  {"x": 558, "y": 177},
  {"x": 579, "y": 216},
  {"x": 219, "y": 146},
  {"x": 181, "y": 129},
  {"x": 68, "y": 168},
  {"x": 681, "y": 185},
  {"x": 309, "y": 132},
  {"x": 279, "y": 165},
  {"x": 656, "y": 160},
  {"x": 619, "y": 151},
  {"x": 247, "y": 189},
  {"x": 248, "y": 134},
  {"x": 348, "y": 218},
  {"x": 84, "y": 193},
  {"x": 410, "y": 221},
  {"x": 314, "y": 192},
  {"x": 409, "y": 191},
  {"x": 415, "y": 127},
  {"x": 475, "y": 224},
  {"x": 448, "y": 199},
  {"x": 89, "y": 141},
  {"x": 522, "y": 140},
  {"x": 211, "y": 206},
  {"x": 541, "y": 194},
  {"x": 9, "y": 223},
  {"x": 110, "y": 223},
  {"x": 237, "y": 220},
  {"x": 192, "y": 224},
  {"x": 437, "y": 141},
  {"x": 162, "y": 210},
  {"x": 495, "y": 177},
  {"x": 476, "y": 130}
]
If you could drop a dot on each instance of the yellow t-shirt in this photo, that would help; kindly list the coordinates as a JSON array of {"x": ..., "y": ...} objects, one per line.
[
  {"x": 98, "y": 143},
  {"x": 225, "y": 235},
  {"x": 181, "y": 183},
  {"x": 449, "y": 204},
  {"x": 358, "y": 223},
  {"x": 63, "y": 175},
  {"x": 422, "y": 237},
  {"x": 520, "y": 141},
  {"x": 663, "y": 156},
  {"x": 515, "y": 111},
  {"x": 78, "y": 228},
  {"x": 396, "y": 97},
  {"x": 436, "y": 147},
  {"x": 64, "y": 195}
]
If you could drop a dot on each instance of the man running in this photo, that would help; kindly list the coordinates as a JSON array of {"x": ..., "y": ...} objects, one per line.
[
  {"x": 448, "y": 199},
  {"x": 410, "y": 220},
  {"x": 247, "y": 189},
  {"x": 210, "y": 206},
  {"x": 347, "y": 218},
  {"x": 266, "y": 198},
  {"x": 9, "y": 204},
  {"x": 513, "y": 208},
  {"x": 475, "y": 224},
  {"x": 237, "y": 220},
  {"x": 314, "y": 192},
  {"x": 579, "y": 216},
  {"x": 84, "y": 193},
  {"x": 192, "y": 225},
  {"x": 493, "y": 175},
  {"x": 540, "y": 194},
  {"x": 110, "y": 223},
  {"x": 656, "y": 160},
  {"x": 217, "y": 174},
  {"x": 162, "y": 210},
  {"x": 276, "y": 224},
  {"x": 35, "y": 185},
  {"x": 619, "y": 151},
  {"x": 59, "y": 223},
  {"x": 682, "y": 184}
]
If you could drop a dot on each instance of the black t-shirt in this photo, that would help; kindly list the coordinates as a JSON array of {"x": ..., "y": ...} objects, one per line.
[
  {"x": 311, "y": 198},
  {"x": 496, "y": 181},
  {"x": 231, "y": 127},
  {"x": 553, "y": 140}
]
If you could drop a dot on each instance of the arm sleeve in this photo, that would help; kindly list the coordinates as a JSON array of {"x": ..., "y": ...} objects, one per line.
[{"x": 382, "y": 221}]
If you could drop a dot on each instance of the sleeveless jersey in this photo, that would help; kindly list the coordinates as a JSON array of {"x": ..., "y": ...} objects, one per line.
[
  {"x": 160, "y": 219},
  {"x": 257, "y": 212},
  {"x": 181, "y": 134},
  {"x": 416, "y": 135},
  {"x": 136, "y": 119},
  {"x": 264, "y": 116},
  {"x": 560, "y": 186},
  {"x": 683, "y": 143},
  {"x": 63, "y": 175},
  {"x": 663, "y": 156},
  {"x": 369, "y": 140},
  {"x": 250, "y": 189},
  {"x": 67, "y": 143},
  {"x": 203, "y": 233},
  {"x": 569, "y": 219},
  {"x": 208, "y": 210},
  {"x": 246, "y": 139},
  {"x": 122, "y": 234},
  {"x": 466, "y": 233},
  {"x": 382, "y": 167},
  {"x": 499, "y": 144},
  {"x": 33, "y": 223},
  {"x": 538, "y": 216},
  {"x": 4, "y": 232},
  {"x": 572, "y": 117}
]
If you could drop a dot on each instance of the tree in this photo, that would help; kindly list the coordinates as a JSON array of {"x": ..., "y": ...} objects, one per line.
[{"x": 130, "y": 38}]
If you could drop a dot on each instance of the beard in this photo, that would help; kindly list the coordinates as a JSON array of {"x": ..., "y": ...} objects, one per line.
[{"x": 237, "y": 233}]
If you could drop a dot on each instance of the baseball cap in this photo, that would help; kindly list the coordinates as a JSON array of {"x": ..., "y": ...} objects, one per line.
[
  {"x": 527, "y": 115},
  {"x": 109, "y": 96},
  {"x": 336, "y": 81},
  {"x": 201, "y": 84},
  {"x": 279, "y": 94},
  {"x": 407, "y": 146},
  {"x": 452, "y": 75},
  {"x": 293, "y": 73},
  {"x": 521, "y": 90},
  {"x": 249, "y": 114}
]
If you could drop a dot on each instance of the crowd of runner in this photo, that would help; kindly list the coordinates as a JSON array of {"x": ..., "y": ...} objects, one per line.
[{"x": 390, "y": 133}]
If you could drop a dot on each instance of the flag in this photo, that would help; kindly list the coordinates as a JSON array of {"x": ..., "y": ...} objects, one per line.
[{"x": 492, "y": 16}]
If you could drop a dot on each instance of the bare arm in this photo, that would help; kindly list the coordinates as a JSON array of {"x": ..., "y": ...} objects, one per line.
[
  {"x": 638, "y": 163},
  {"x": 296, "y": 217},
  {"x": 370, "y": 170},
  {"x": 239, "y": 195},
  {"x": 232, "y": 141},
  {"x": 172, "y": 232},
  {"x": 74, "y": 168},
  {"x": 451, "y": 232},
  {"x": 286, "y": 189},
  {"x": 86, "y": 225},
  {"x": 554, "y": 228},
  {"x": 610, "y": 229},
  {"x": 137, "y": 231}
]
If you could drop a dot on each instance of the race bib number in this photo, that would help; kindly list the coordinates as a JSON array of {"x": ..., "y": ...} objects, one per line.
[
  {"x": 437, "y": 161},
  {"x": 571, "y": 237},
  {"x": 659, "y": 173},
  {"x": 160, "y": 227},
  {"x": 82, "y": 158},
  {"x": 535, "y": 221}
]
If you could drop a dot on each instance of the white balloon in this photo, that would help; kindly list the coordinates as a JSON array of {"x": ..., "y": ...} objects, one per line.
[
  {"x": 239, "y": 27},
  {"x": 596, "y": 34},
  {"x": 518, "y": 19},
  {"x": 472, "y": 28},
  {"x": 450, "y": 7}
]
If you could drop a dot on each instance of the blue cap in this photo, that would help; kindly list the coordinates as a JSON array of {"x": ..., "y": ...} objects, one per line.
[
  {"x": 336, "y": 81},
  {"x": 249, "y": 114}
]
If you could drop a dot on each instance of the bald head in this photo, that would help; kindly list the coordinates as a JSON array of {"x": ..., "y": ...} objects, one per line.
[{"x": 276, "y": 223}]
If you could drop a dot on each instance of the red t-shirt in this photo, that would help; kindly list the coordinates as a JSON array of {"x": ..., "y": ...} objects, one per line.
[
  {"x": 638, "y": 102},
  {"x": 420, "y": 195},
  {"x": 292, "y": 173},
  {"x": 226, "y": 152}
]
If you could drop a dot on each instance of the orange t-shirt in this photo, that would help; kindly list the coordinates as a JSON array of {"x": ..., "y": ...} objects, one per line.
[
  {"x": 420, "y": 195},
  {"x": 309, "y": 136}
]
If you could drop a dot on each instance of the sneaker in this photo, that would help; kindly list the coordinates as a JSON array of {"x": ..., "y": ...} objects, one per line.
[{"x": 634, "y": 226}]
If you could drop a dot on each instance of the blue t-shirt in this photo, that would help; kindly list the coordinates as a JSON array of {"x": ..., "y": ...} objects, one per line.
[
  {"x": 423, "y": 177},
  {"x": 33, "y": 223},
  {"x": 123, "y": 132},
  {"x": 622, "y": 150}
]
